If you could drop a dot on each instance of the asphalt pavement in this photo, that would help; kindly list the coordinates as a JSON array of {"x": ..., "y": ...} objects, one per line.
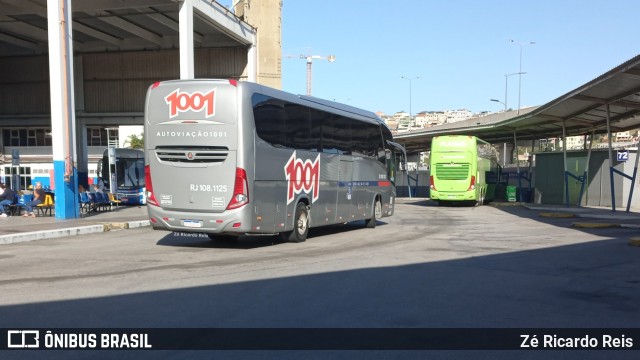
[{"x": 14, "y": 229}]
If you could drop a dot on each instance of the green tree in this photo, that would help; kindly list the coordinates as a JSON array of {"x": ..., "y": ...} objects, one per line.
[{"x": 135, "y": 142}]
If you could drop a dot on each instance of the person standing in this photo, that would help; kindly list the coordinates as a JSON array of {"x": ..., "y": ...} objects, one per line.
[
  {"x": 38, "y": 198},
  {"x": 8, "y": 197}
]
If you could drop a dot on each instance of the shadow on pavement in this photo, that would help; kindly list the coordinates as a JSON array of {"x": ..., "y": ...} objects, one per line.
[{"x": 248, "y": 242}]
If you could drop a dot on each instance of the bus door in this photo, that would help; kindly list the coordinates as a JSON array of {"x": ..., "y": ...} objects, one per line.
[{"x": 345, "y": 190}]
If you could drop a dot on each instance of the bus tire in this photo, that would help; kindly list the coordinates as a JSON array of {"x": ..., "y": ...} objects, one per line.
[
  {"x": 300, "y": 225},
  {"x": 377, "y": 213},
  {"x": 480, "y": 199}
]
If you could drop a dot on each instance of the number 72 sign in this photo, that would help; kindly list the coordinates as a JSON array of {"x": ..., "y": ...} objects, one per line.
[{"x": 623, "y": 155}]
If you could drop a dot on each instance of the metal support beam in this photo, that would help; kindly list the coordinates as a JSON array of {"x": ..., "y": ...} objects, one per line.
[
  {"x": 633, "y": 177},
  {"x": 36, "y": 48},
  {"x": 613, "y": 192},
  {"x": 132, "y": 28},
  {"x": 97, "y": 34},
  {"x": 564, "y": 161},
  {"x": 62, "y": 108},
  {"x": 171, "y": 24},
  {"x": 585, "y": 177},
  {"x": 83, "y": 157},
  {"x": 515, "y": 148},
  {"x": 25, "y": 29}
]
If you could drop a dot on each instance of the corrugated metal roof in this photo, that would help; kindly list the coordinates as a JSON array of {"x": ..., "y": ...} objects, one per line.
[{"x": 582, "y": 110}]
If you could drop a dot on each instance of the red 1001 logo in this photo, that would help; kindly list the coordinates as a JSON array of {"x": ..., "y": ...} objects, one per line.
[
  {"x": 183, "y": 101},
  {"x": 302, "y": 176}
]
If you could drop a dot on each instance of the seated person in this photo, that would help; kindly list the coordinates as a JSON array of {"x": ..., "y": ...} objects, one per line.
[
  {"x": 8, "y": 197},
  {"x": 38, "y": 198}
]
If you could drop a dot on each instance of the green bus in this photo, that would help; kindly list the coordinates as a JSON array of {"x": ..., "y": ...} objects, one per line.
[{"x": 463, "y": 169}]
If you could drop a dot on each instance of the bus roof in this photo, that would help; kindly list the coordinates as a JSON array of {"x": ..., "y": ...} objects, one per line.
[
  {"x": 317, "y": 103},
  {"x": 457, "y": 136},
  {"x": 127, "y": 153},
  {"x": 310, "y": 101}
]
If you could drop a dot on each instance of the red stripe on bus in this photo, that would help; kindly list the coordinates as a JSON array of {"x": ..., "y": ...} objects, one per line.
[{"x": 384, "y": 183}]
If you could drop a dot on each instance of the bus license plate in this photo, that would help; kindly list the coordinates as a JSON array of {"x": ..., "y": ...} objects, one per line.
[{"x": 192, "y": 223}]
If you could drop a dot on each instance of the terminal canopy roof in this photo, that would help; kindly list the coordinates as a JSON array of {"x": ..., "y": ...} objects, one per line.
[
  {"x": 116, "y": 25},
  {"x": 582, "y": 111}
]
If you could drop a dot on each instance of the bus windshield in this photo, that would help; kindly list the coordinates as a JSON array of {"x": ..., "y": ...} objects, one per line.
[
  {"x": 125, "y": 168},
  {"x": 130, "y": 173}
]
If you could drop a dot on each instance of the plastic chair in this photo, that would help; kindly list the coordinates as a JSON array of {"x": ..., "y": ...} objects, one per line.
[
  {"x": 86, "y": 204},
  {"x": 23, "y": 200},
  {"x": 113, "y": 200},
  {"x": 102, "y": 201},
  {"x": 46, "y": 206}
]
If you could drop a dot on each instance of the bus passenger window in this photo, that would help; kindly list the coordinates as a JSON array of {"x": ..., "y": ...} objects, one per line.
[{"x": 269, "y": 115}]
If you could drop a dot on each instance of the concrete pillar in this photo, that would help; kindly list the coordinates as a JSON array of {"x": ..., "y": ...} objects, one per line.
[
  {"x": 185, "y": 19},
  {"x": 83, "y": 154},
  {"x": 505, "y": 153},
  {"x": 252, "y": 68},
  {"x": 62, "y": 108}
]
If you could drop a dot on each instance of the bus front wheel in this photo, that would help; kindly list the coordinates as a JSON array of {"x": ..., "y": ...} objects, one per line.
[{"x": 300, "y": 225}]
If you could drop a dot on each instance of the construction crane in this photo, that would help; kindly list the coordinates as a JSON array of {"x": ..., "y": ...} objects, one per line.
[{"x": 310, "y": 59}]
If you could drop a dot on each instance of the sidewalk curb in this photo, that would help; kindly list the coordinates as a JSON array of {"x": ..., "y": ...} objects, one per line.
[
  {"x": 507, "y": 203},
  {"x": 50, "y": 234},
  {"x": 564, "y": 215},
  {"x": 72, "y": 231},
  {"x": 595, "y": 225}
]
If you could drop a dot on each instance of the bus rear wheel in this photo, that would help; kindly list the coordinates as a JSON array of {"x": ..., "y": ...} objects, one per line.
[
  {"x": 377, "y": 213},
  {"x": 300, "y": 225},
  {"x": 481, "y": 199}
]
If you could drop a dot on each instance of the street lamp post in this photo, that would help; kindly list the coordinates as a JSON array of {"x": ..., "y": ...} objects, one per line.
[
  {"x": 521, "y": 44},
  {"x": 506, "y": 87},
  {"x": 498, "y": 101},
  {"x": 406, "y": 78}
]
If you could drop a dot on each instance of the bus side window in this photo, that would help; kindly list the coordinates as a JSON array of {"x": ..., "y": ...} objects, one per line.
[
  {"x": 269, "y": 117},
  {"x": 316, "y": 123},
  {"x": 342, "y": 134},
  {"x": 297, "y": 130}
]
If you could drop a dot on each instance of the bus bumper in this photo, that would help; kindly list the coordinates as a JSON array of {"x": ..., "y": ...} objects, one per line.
[
  {"x": 234, "y": 221},
  {"x": 457, "y": 196}
]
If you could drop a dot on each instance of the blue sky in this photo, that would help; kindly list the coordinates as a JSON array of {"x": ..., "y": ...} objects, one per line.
[{"x": 459, "y": 49}]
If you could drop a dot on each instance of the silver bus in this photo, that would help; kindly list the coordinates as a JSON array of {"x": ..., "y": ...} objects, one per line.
[{"x": 225, "y": 157}]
